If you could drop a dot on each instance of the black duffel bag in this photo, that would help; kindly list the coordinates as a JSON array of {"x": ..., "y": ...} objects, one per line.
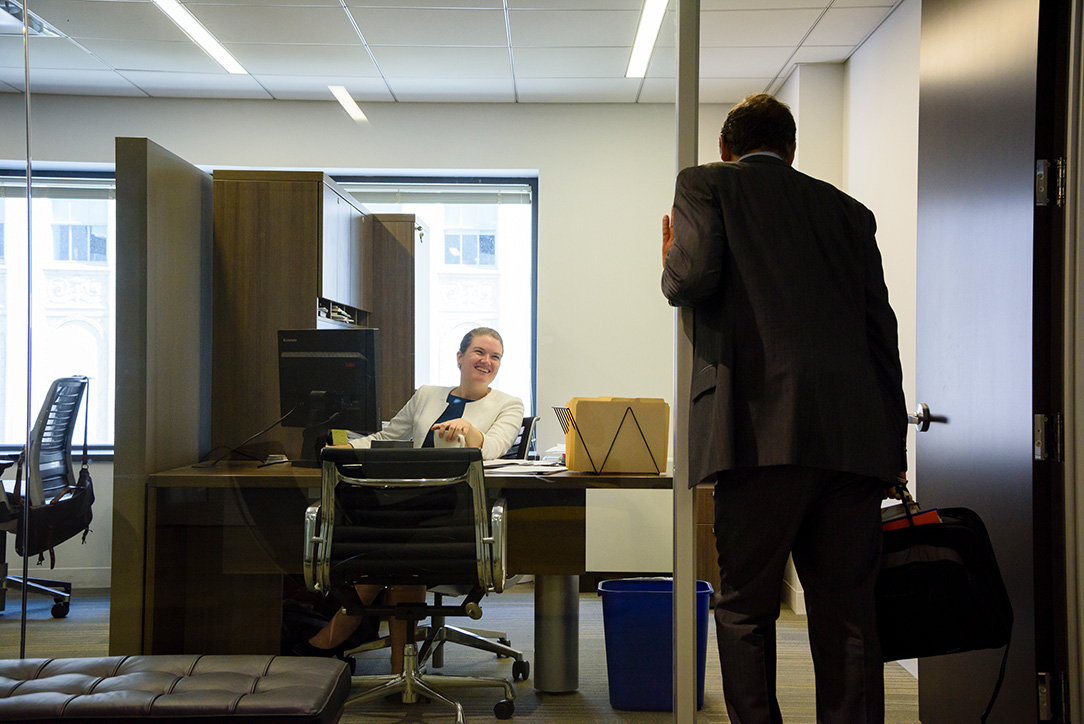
[{"x": 939, "y": 590}]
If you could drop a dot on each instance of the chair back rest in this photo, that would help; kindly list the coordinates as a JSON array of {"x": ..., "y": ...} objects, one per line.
[
  {"x": 522, "y": 444},
  {"x": 393, "y": 516},
  {"x": 49, "y": 465}
]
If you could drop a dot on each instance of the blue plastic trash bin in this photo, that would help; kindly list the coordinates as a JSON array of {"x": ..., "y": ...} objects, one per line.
[{"x": 637, "y": 617}]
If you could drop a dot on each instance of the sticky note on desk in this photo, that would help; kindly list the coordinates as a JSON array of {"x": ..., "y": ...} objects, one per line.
[{"x": 338, "y": 437}]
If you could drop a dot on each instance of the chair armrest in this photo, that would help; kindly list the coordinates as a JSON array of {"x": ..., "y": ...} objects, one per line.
[
  {"x": 314, "y": 553},
  {"x": 498, "y": 544}
]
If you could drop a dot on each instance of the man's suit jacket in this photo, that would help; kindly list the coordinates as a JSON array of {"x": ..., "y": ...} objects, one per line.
[{"x": 795, "y": 344}]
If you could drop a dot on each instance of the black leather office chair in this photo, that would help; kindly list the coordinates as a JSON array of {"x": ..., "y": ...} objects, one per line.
[
  {"x": 496, "y": 642},
  {"x": 49, "y": 469},
  {"x": 521, "y": 446},
  {"x": 408, "y": 517}
]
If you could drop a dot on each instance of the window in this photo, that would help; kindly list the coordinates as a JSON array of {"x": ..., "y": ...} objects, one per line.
[
  {"x": 80, "y": 228},
  {"x": 58, "y": 294},
  {"x": 474, "y": 266},
  {"x": 470, "y": 235}
]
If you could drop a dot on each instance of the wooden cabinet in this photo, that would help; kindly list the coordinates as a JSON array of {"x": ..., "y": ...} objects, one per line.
[
  {"x": 346, "y": 255},
  {"x": 292, "y": 250},
  {"x": 707, "y": 560}
]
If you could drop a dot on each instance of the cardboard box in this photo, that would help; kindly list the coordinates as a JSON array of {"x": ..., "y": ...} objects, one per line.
[{"x": 617, "y": 434}]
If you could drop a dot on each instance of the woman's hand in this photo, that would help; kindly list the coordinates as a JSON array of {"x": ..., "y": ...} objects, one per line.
[{"x": 451, "y": 429}]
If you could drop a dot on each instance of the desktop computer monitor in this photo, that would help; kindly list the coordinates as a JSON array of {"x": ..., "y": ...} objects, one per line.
[{"x": 328, "y": 378}]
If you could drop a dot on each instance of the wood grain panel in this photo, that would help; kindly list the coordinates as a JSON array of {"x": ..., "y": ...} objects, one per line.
[
  {"x": 163, "y": 382},
  {"x": 391, "y": 239},
  {"x": 267, "y": 241}
]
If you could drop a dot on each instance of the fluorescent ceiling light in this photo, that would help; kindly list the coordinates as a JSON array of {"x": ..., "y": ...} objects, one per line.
[
  {"x": 650, "y": 20},
  {"x": 200, "y": 35},
  {"x": 11, "y": 21},
  {"x": 347, "y": 102}
]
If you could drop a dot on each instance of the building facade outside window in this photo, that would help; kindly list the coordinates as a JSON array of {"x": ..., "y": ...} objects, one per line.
[
  {"x": 69, "y": 292},
  {"x": 474, "y": 266}
]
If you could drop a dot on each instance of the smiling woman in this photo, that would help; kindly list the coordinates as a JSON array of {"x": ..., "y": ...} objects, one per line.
[{"x": 472, "y": 410}]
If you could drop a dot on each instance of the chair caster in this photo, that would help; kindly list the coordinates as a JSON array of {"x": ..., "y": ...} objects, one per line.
[
  {"x": 504, "y": 709},
  {"x": 60, "y": 609},
  {"x": 521, "y": 670}
]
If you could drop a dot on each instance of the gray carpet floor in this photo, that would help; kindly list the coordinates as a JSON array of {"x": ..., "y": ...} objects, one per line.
[{"x": 86, "y": 633}]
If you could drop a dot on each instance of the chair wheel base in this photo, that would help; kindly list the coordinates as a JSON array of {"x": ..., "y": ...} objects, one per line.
[{"x": 504, "y": 709}]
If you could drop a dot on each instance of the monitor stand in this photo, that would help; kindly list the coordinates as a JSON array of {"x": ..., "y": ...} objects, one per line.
[{"x": 312, "y": 441}]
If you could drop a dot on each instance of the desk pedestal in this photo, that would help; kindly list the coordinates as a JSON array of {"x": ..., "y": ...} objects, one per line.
[{"x": 556, "y": 633}]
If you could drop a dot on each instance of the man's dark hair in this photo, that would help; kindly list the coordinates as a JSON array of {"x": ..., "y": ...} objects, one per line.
[{"x": 759, "y": 122}]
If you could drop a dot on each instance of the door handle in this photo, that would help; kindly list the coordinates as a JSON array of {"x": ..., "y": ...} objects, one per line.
[{"x": 922, "y": 417}]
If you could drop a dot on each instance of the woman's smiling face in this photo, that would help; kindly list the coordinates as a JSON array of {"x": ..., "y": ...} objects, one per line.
[{"x": 480, "y": 363}]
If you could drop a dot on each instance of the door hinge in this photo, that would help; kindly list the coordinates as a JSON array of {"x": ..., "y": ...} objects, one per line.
[
  {"x": 1059, "y": 181},
  {"x": 1050, "y": 182},
  {"x": 1053, "y": 690},
  {"x": 1047, "y": 437}
]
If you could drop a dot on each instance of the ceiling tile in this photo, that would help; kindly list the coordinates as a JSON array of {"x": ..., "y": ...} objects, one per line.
[
  {"x": 658, "y": 90},
  {"x": 276, "y": 24},
  {"x": 72, "y": 82},
  {"x": 478, "y": 28},
  {"x": 724, "y": 62},
  {"x": 866, "y": 3},
  {"x": 751, "y": 28},
  {"x": 730, "y": 90},
  {"x": 575, "y": 28},
  {"x": 191, "y": 4},
  {"x": 280, "y": 59},
  {"x": 195, "y": 85},
  {"x": 577, "y": 90},
  {"x": 822, "y": 54},
  {"x": 765, "y": 4},
  {"x": 570, "y": 62},
  {"x": 846, "y": 26},
  {"x": 115, "y": 20},
  {"x": 7, "y": 88},
  {"x": 398, "y": 62},
  {"x": 468, "y": 4},
  {"x": 47, "y": 53},
  {"x": 635, "y": 5},
  {"x": 183, "y": 56},
  {"x": 436, "y": 50},
  {"x": 449, "y": 90},
  {"x": 314, "y": 88}
]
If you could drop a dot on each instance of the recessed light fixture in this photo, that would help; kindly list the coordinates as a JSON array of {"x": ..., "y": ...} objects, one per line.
[
  {"x": 200, "y": 35},
  {"x": 347, "y": 103},
  {"x": 650, "y": 20},
  {"x": 11, "y": 21}
]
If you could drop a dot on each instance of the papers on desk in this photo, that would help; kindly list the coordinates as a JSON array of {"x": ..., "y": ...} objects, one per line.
[{"x": 523, "y": 467}]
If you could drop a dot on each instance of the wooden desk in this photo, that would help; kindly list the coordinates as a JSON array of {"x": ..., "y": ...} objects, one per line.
[{"x": 225, "y": 543}]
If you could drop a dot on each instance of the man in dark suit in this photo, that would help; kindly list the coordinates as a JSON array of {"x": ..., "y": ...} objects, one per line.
[{"x": 797, "y": 410}]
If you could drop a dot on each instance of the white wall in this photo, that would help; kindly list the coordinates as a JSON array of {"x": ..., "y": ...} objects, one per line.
[
  {"x": 605, "y": 178},
  {"x": 881, "y": 166}
]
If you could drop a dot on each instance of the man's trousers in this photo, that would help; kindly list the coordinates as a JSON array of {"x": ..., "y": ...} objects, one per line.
[{"x": 830, "y": 521}]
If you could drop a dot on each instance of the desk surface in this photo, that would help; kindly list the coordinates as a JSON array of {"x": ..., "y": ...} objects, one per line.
[
  {"x": 224, "y": 543},
  {"x": 247, "y": 473}
]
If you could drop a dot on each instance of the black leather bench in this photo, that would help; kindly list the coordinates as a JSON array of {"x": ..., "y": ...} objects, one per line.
[{"x": 240, "y": 689}]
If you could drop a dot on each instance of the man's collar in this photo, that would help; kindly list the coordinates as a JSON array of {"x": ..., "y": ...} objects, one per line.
[{"x": 760, "y": 153}]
